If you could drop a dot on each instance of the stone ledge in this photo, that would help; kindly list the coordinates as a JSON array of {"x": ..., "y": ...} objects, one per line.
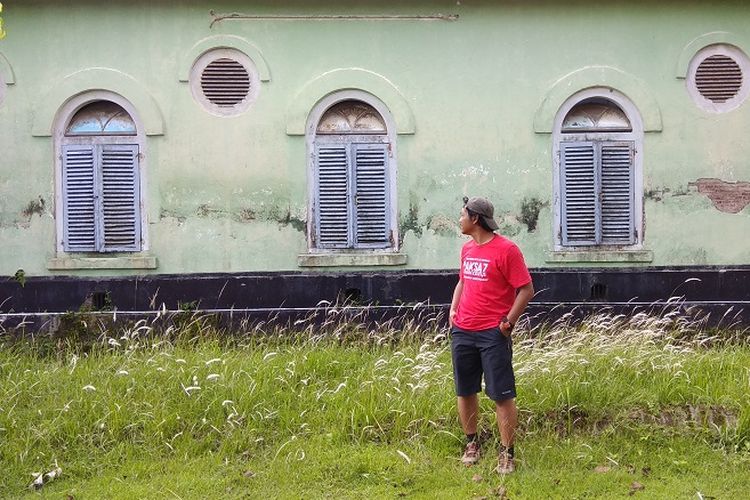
[
  {"x": 71, "y": 263},
  {"x": 350, "y": 259},
  {"x": 600, "y": 256}
]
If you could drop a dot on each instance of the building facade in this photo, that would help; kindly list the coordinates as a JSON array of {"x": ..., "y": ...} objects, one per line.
[{"x": 165, "y": 138}]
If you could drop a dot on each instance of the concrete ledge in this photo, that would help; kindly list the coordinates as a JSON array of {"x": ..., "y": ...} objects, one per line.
[
  {"x": 351, "y": 259},
  {"x": 600, "y": 256},
  {"x": 71, "y": 263}
]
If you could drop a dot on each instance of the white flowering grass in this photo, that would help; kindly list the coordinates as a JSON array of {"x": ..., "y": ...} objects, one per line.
[{"x": 355, "y": 409}]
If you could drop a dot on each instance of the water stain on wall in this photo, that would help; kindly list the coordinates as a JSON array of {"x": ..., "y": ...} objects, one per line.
[
  {"x": 530, "y": 208},
  {"x": 410, "y": 221},
  {"x": 34, "y": 207}
]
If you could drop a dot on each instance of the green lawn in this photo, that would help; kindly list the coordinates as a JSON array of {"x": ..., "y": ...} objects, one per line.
[{"x": 611, "y": 407}]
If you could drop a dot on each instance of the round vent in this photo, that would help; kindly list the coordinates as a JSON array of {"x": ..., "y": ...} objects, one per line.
[
  {"x": 717, "y": 79},
  {"x": 224, "y": 81}
]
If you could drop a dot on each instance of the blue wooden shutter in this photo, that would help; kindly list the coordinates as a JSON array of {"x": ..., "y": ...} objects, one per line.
[
  {"x": 579, "y": 179},
  {"x": 617, "y": 198},
  {"x": 371, "y": 203},
  {"x": 332, "y": 197},
  {"x": 120, "y": 207},
  {"x": 79, "y": 192}
]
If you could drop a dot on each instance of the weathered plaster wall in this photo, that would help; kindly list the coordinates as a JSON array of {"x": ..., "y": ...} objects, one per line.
[{"x": 229, "y": 194}]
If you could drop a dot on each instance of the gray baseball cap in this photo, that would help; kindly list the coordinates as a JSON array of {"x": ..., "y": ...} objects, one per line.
[{"x": 483, "y": 208}]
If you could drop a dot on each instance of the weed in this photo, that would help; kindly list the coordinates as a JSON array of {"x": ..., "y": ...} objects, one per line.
[{"x": 195, "y": 403}]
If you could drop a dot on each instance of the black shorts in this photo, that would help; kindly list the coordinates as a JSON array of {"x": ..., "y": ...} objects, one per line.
[{"x": 487, "y": 352}]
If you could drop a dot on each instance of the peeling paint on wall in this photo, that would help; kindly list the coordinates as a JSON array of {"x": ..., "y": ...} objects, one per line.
[
  {"x": 296, "y": 222},
  {"x": 443, "y": 225},
  {"x": 729, "y": 197},
  {"x": 509, "y": 226}
]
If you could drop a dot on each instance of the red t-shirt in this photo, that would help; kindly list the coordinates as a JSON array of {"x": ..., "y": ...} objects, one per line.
[{"x": 491, "y": 273}]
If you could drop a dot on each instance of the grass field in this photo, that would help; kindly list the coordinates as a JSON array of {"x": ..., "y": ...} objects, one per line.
[{"x": 648, "y": 405}]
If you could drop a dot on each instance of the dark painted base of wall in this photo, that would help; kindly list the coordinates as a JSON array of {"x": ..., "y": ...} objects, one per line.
[{"x": 715, "y": 290}]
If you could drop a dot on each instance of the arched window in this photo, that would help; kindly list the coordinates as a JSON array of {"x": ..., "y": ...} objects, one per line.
[
  {"x": 352, "y": 178},
  {"x": 100, "y": 179},
  {"x": 598, "y": 176}
]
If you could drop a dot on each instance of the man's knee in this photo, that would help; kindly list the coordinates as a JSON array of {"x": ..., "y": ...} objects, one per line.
[{"x": 506, "y": 404}]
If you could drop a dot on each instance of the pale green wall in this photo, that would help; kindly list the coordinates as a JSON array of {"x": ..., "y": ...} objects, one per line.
[{"x": 473, "y": 85}]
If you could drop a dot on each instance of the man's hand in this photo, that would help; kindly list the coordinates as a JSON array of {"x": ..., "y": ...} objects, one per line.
[
  {"x": 506, "y": 327},
  {"x": 454, "y": 302}
]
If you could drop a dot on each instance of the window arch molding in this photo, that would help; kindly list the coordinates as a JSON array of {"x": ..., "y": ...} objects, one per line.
[
  {"x": 82, "y": 83},
  {"x": 635, "y": 136},
  {"x": 388, "y": 139},
  {"x": 604, "y": 79},
  {"x": 339, "y": 80},
  {"x": 223, "y": 42},
  {"x": 3, "y": 88},
  {"x": 6, "y": 77},
  {"x": 696, "y": 44},
  {"x": 60, "y": 123}
]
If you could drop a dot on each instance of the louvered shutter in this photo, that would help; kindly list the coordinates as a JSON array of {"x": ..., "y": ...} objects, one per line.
[
  {"x": 579, "y": 177},
  {"x": 371, "y": 203},
  {"x": 79, "y": 192},
  {"x": 617, "y": 217},
  {"x": 332, "y": 196},
  {"x": 121, "y": 221}
]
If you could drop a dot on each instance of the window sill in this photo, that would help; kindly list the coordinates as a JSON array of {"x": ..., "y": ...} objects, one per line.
[
  {"x": 600, "y": 256},
  {"x": 350, "y": 259},
  {"x": 69, "y": 263}
]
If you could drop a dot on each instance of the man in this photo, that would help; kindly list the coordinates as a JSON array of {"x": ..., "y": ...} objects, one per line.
[{"x": 493, "y": 290}]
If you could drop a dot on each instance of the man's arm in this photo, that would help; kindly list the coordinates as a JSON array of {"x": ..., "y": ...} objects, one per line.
[
  {"x": 454, "y": 303},
  {"x": 523, "y": 296}
]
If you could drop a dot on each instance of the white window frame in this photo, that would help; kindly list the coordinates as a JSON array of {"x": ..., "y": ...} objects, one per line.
[
  {"x": 63, "y": 118},
  {"x": 389, "y": 137},
  {"x": 635, "y": 136},
  {"x": 726, "y": 50}
]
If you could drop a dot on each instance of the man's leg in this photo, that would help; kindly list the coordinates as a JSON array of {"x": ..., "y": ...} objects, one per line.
[
  {"x": 497, "y": 362},
  {"x": 506, "y": 413},
  {"x": 507, "y": 420},
  {"x": 468, "y": 409},
  {"x": 467, "y": 373}
]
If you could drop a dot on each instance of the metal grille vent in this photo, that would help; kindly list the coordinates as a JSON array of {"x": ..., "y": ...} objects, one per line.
[
  {"x": 225, "y": 82},
  {"x": 718, "y": 78}
]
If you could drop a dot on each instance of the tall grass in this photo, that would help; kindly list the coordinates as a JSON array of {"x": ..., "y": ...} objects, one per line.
[{"x": 98, "y": 393}]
